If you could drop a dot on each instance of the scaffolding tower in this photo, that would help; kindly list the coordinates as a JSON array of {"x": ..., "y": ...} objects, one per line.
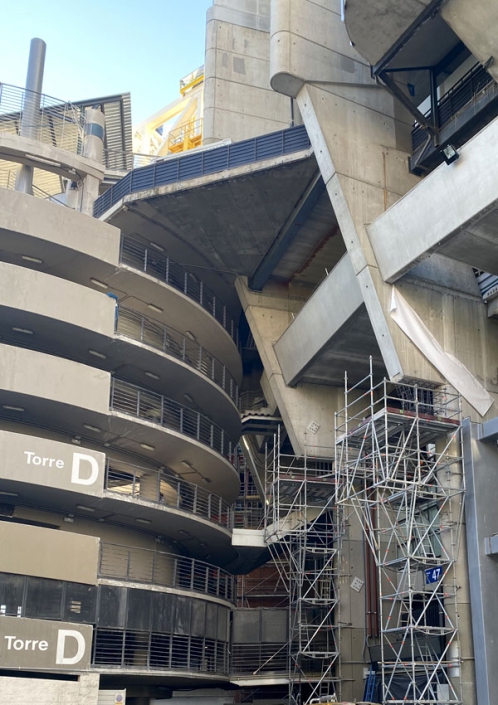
[
  {"x": 303, "y": 531},
  {"x": 398, "y": 465}
]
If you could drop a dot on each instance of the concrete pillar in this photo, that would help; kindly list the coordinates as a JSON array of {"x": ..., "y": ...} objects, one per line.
[
  {"x": 307, "y": 406},
  {"x": 93, "y": 146},
  {"x": 30, "y": 121},
  {"x": 472, "y": 22},
  {"x": 453, "y": 538}
]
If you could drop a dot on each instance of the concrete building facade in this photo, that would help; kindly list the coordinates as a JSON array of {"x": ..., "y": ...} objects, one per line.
[{"x": 155, "y": 337}]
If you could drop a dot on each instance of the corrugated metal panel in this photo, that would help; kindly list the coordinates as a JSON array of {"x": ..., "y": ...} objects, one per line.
[{"x": 488, "y": 284}]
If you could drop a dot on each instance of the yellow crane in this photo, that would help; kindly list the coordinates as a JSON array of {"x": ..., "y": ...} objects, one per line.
[{"x": 176, "y": 127}]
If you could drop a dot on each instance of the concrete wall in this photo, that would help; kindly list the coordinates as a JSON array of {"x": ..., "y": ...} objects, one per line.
[
  {"x": 19, "y": 691},
  {"x": 43, "y": 220},
  {"x": 238, "y": 100},
  {"x": 48, "y": 553},
  {"x": 44, "y": 295},
  {"x": 30, "y": 373}
]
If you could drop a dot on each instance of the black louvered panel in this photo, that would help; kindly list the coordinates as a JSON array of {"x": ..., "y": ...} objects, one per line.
[
  {"x": 216, "y": 160},
  {"x": 166, "y": 172},
  {"x": 242, "y": 153},
  {"x": 142, "y": 178},
  {"x": 190, "y": 166}
]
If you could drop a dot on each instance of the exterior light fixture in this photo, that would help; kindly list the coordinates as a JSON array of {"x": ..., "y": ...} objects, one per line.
[
  {"x": 35, "y": 260},
  {"x": 84, "y": 508},
  {"x": 157, "y": 247},
  {"x": 96, "y": 353},
  {"x": 142, "y": 521},
  {"x": 25, "y": 331},
  {"x": 151, "y": 375},
  {"x": 450, "y": 154},
  {"x": 97, "y": 282},
  {"x": 92, "y": 428},
  {"x": 190, "y": 335},
  {"x": 153, "y": 307},
  {"x": 4, "y": 493},
  {"x": 9, "y": 407},
  {"x": 188, "y": 398},
  {"x": 146, "y": 446}
]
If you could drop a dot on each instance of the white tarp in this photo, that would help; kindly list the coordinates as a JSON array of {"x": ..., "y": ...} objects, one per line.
[{"x": 449, "y": 366}]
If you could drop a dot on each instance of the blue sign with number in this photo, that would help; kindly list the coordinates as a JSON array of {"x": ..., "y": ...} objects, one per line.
[{"x": 432, "y": 575}]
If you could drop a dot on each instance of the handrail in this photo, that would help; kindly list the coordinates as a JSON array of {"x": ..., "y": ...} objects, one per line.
[
  {"x": 162, "y": 337},
  {"x": 167, "y": 491},
  {"x": 155, "y": 408},
  {"x": 149, "y": 260},
  {"x": 459, "y": 95},
  {"x": 196, "y": 164},
  {"x": 143, "y": 565},
  {"x": 57, "y": 122}
]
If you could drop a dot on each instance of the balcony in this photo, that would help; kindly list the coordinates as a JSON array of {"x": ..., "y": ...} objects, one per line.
[
  {"x": 166, "y": 491},
  {"x": 142, "y": 565},
  {"x": 149, "y": 260},
  {"x": 132, "y": 324},
  {"x": 467, "y": 107},
  {"x": 158, "y": 409}
]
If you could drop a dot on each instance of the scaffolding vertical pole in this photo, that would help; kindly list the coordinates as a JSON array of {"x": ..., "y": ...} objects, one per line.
[
  {"x": 304, "y": 534},
  {"x": 400, "y": 462}
]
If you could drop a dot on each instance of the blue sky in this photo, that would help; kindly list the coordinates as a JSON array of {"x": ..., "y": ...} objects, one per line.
[{"x": 101, "y": 47}]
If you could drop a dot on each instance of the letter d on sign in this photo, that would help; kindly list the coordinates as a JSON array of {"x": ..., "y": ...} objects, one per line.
[
  {"x": 62, "y": 635},
  {"x": 78, "y": 459}
]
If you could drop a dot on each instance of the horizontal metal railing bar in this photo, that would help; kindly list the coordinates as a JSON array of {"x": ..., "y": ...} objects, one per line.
[
  {"x": 155, "y": 408},
  {"x": 167, "y": 491},
  {"x": 162, "y": 337},
  {"x": 147, "y": 259},
  {"x": 191, "y": 165},
  {"x": 151, "y": 651},
  {"x": 258, "y": 659},
  {"x": 459, "y": 95},
  {"x": 143, "y": 565},
  {"x": 56, "y": 122}
]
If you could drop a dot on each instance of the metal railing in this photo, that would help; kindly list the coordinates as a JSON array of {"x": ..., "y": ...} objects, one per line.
[
  {"x": 119, "y": 160},
  {"x": 259, "y": 659},
  {"x": 150, "y": 650},
  {"x": 149, "y": 260},
  {"x": 155, "y": 408},
  {"x": 142, "y": 565},
  {"x": 162, "y": 337},
  {"x": 189, "y": 166},
  {"x": 166, "y": 491},
  {"x": 458, "y": 96},
  {"x": 56, "y": 122}
]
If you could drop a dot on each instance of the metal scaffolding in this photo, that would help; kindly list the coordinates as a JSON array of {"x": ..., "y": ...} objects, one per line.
[
  {"x": 303, "y": 531},
  {"x": 398, "y": 465}
]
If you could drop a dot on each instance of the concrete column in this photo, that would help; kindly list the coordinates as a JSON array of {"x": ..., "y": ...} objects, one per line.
[
  {"x": 93, "y": 146},
  {"x": 472, "y": 22},
  {"x": 269, "y": 313},
  {"x": 30, "y": 121},
  {"x": 461, "y": 652}
]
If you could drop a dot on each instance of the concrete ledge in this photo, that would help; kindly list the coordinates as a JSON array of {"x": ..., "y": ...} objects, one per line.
[
  {"x": 44, "y": 156},
  {"x": 23, "y": 216},
  {"x": 48, "y": 553},
  {"x": 456, "y": 211},
  {"x": 335, "y": 301}
]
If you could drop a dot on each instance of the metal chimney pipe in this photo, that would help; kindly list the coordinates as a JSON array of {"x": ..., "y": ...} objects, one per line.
[{"x": 31, "y": 111}]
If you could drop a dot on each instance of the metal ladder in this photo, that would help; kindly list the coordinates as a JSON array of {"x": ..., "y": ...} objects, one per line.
[{"x": 370, "y": 686}]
